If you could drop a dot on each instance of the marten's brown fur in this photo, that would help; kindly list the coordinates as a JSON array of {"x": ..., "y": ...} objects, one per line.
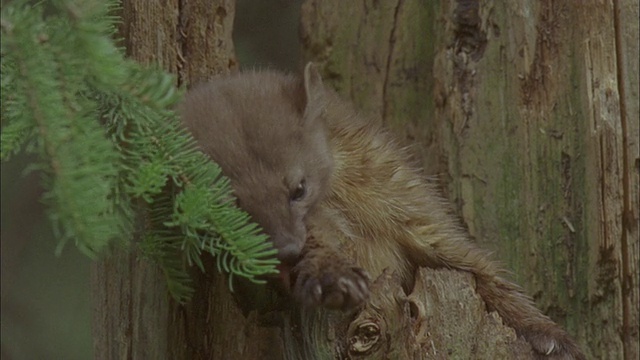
[{"x": 300, "y": 157}]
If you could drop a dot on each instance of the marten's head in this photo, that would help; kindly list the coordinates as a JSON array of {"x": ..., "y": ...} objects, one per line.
[{"x": 266, "y": 131}]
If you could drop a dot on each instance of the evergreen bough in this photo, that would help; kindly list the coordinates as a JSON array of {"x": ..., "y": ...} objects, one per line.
[{"x": 118, "y": 166}]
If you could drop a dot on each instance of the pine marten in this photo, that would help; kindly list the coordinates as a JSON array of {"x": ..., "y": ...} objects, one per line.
[{"x": 339, "y": 198}]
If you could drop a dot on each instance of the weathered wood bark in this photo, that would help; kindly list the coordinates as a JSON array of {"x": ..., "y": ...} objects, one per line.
[
  {"x": 529, "y": 112},
  {"x": 133, "y": 316},
  {"x": 453, "y": 322},
  {"x": 441, "y": 318}
]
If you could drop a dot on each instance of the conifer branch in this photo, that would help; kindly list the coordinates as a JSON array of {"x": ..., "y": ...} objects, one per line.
[
  {"x": 79, "y": 172},
  {"x": 108, "y": 141}
]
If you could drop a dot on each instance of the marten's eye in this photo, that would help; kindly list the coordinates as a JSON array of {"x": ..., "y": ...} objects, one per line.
[{"x": 299, "y": 191}]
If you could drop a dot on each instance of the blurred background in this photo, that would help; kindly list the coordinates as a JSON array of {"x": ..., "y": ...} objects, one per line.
[{"x": 45, "y": 299}]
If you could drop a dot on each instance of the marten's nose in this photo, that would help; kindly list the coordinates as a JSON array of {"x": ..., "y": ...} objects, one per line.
[{"x": 290, "y": 253}]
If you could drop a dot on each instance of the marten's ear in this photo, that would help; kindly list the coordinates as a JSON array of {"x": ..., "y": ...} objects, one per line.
[
  {"x": 314, "y": 91},
  {"x": 312, "y": 81}
]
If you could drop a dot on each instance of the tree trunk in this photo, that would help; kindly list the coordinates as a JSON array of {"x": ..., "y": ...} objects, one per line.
[
  {"x": 528, "y": 112},
  {"x": 133, "y": 316}
]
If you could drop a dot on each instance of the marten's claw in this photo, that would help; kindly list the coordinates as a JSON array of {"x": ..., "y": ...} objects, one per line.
[
  {"x": 342, "y": 289},
  {"x": 552, "y": 343}
]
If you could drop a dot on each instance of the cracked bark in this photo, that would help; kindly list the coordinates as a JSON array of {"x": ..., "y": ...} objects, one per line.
[{"x": 527, "y": 111}]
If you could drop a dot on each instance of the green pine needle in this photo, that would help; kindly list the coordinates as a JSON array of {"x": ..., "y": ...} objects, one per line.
[{"x": 109, "y": 143}]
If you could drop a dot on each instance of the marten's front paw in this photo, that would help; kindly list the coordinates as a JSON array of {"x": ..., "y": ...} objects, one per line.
[{"x": 331, "y": 285}]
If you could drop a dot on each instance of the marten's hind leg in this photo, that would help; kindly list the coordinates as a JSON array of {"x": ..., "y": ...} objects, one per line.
[{"x": 517, "y": 309}]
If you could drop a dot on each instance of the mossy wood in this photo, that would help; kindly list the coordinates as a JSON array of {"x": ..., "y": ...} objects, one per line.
[{"x": 527, "y": 111}]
